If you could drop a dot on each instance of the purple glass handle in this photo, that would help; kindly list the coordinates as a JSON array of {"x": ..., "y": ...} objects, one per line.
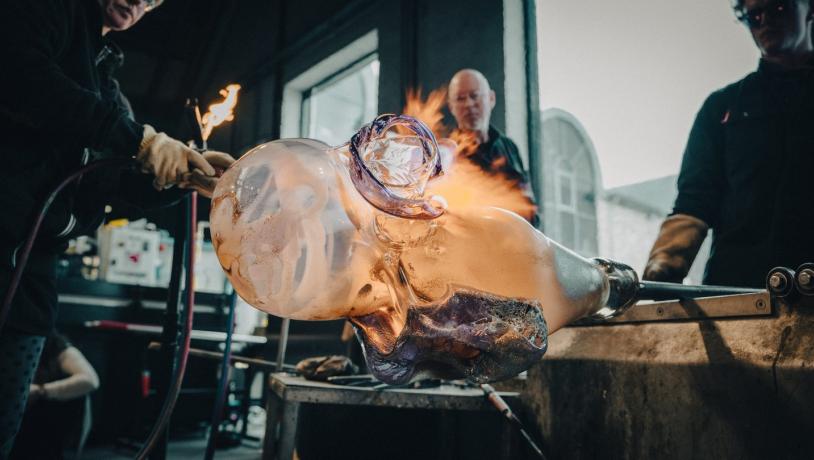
[{"x": 377, "y": 193}]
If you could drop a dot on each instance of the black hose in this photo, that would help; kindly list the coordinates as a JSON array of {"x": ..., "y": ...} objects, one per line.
[
  {"x": 25, "y": 251},
  {"x": 223, "y": 383},
  {"x": 656, "y": 290},
  {"x": 183, "y": 353},
  {"x": 171, "y": 324}
]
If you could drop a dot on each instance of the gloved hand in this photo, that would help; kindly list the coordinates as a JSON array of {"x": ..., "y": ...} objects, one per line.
[
  {"x": 199, "y": 181},
  {"x": 168, "y": 159},
  {"x": 679, "y": 239}
]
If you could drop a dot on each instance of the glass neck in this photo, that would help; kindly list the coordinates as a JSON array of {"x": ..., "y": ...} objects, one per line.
[{"x": 391, "y": 171}]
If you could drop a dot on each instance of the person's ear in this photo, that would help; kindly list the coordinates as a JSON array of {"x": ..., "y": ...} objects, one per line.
[{"x": 492, "y": 98}]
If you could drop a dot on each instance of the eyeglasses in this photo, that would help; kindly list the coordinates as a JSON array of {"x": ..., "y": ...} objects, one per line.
[{"x": 756, "y": 17}]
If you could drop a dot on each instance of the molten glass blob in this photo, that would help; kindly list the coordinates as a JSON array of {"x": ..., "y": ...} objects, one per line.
[{"x": 310, "y": 232}]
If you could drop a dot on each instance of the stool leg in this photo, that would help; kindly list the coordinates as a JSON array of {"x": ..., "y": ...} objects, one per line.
[
  {"x": 288, "y": 430},
  {"x": 274, "y": 412}
]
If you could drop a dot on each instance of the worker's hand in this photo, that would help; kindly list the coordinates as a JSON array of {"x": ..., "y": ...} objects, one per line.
[
  {"x": 36, "y": 392},
  {"x": 204, "y": 184},
  {"x": 675, "y": 248},
  {"x": 169, "y": 159}
]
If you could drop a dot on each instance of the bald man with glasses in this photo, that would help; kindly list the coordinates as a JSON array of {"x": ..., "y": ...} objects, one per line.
[
  {"x": 749, "y": 161},
  {"x": 470, "y": 100}
]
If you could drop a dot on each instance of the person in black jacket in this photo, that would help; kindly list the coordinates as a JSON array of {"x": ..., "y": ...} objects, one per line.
[
  {"x": 59, "y": 109},
  {"x": 749, "y": 161}
]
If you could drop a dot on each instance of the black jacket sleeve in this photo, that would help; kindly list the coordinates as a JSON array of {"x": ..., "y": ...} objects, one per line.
[
  {"x": 515, "y": 163},
  {"x": 37, "y": 93},
  {"x": 701, "y": 181}
]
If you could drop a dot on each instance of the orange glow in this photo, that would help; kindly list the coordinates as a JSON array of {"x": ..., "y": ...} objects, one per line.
[
  {"x": 429, "y": 110},
  {"x": 464, "y": 183},
  {"x": 220, "y": 112}
]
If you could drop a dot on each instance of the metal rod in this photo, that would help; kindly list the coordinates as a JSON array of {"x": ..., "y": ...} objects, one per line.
[
  {"x": 282, "y": 343},
  {"x": 172, "y": 326},
  {"x": 233, "y": 359},
  {"x": 223, "y": 383},
  {"x": 503, "y": 407},
  {"x": 156, "y": 444},
  {"x": 656, "y": 290}
]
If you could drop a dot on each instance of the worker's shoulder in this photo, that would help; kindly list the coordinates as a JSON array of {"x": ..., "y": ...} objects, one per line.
[
  {"x": 722, "y": 98},
  {"x": 502, "y": 139},
  {"x": 43, "y": 7},
  {"x": 24, "y": 18}
]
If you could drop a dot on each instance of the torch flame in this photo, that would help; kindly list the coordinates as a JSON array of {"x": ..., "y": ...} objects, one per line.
[
  {"x": 220, "y": 112},
  {"x": 429, "y": 110},
  {"x": 464, "y": 183}
]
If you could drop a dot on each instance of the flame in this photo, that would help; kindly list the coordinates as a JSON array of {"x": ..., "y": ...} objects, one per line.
[
  {"x": 429, "y": 110},
  {"x": 220, "y": 112},
  {"x": 464, "y": 183}
]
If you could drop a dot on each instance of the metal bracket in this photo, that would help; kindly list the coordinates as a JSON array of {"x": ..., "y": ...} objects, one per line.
[{"x": 737, "y": 305}]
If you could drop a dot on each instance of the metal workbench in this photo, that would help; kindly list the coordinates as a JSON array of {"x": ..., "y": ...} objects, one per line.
[{"x": 289, "y": 392}]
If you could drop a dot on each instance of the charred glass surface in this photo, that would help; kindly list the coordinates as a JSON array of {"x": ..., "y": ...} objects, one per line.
[{"x": 474, "y": 335}]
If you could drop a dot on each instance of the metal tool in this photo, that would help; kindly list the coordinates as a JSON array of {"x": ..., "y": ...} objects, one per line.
[
  {"x": 233, "y": 359},
  {"x": 362, "y": 380},
  {"x": 655, "y": 290},
  {"x": 502, "y": 407}
]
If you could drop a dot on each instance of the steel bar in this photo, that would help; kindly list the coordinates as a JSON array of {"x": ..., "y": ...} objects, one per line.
[
  {"x": 282, "y": 342},
  {"x": 755, "y": 304},
  {"x": 233, "y": 359},
  {"x": 655, "y": 290}
]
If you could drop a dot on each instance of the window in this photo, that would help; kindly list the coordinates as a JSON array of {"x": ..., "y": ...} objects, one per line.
[
  {"x": 568, "y": 168},
  {"x": 624, "y": 80},
  {"x": 336, "y": 95},
  {"x": 333, "y": 110}
]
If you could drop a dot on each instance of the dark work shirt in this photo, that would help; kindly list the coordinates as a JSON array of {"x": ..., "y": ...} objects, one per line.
[
  {"x": 500, "y": 154},
  {"x": 746, "y": 173}
]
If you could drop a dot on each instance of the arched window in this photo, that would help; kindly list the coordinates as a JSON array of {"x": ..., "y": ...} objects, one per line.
[{"x": 570, "y": 183}]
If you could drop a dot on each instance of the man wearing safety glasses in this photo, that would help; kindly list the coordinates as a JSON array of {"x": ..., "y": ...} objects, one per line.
[
  {"x": 59, "y": 108},
  {"x": 748, "y": 166}
]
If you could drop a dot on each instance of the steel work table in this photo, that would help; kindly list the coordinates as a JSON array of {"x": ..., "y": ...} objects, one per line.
[{"x": 288, "y": 392}]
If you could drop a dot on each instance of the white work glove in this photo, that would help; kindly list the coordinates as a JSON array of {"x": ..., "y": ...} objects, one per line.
[
  {"x": 168, "y": 159},
  {"x": 204, "y": 184}
]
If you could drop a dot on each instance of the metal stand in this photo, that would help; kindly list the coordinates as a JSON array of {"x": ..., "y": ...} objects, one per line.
[
  {"x": 172, "y": 325},
  {"x": 723, "y": 306},
  {"x": 282, "y": 344}
]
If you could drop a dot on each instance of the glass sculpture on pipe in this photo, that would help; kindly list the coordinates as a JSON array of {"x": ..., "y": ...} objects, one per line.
[{"x": 434, "y": 287}]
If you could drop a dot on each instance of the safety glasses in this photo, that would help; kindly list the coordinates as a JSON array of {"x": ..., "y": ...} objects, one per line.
[{"x": 756, "y": 17}]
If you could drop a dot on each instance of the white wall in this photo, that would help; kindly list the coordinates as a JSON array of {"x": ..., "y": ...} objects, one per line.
[{"x": 627, "y": 235}]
